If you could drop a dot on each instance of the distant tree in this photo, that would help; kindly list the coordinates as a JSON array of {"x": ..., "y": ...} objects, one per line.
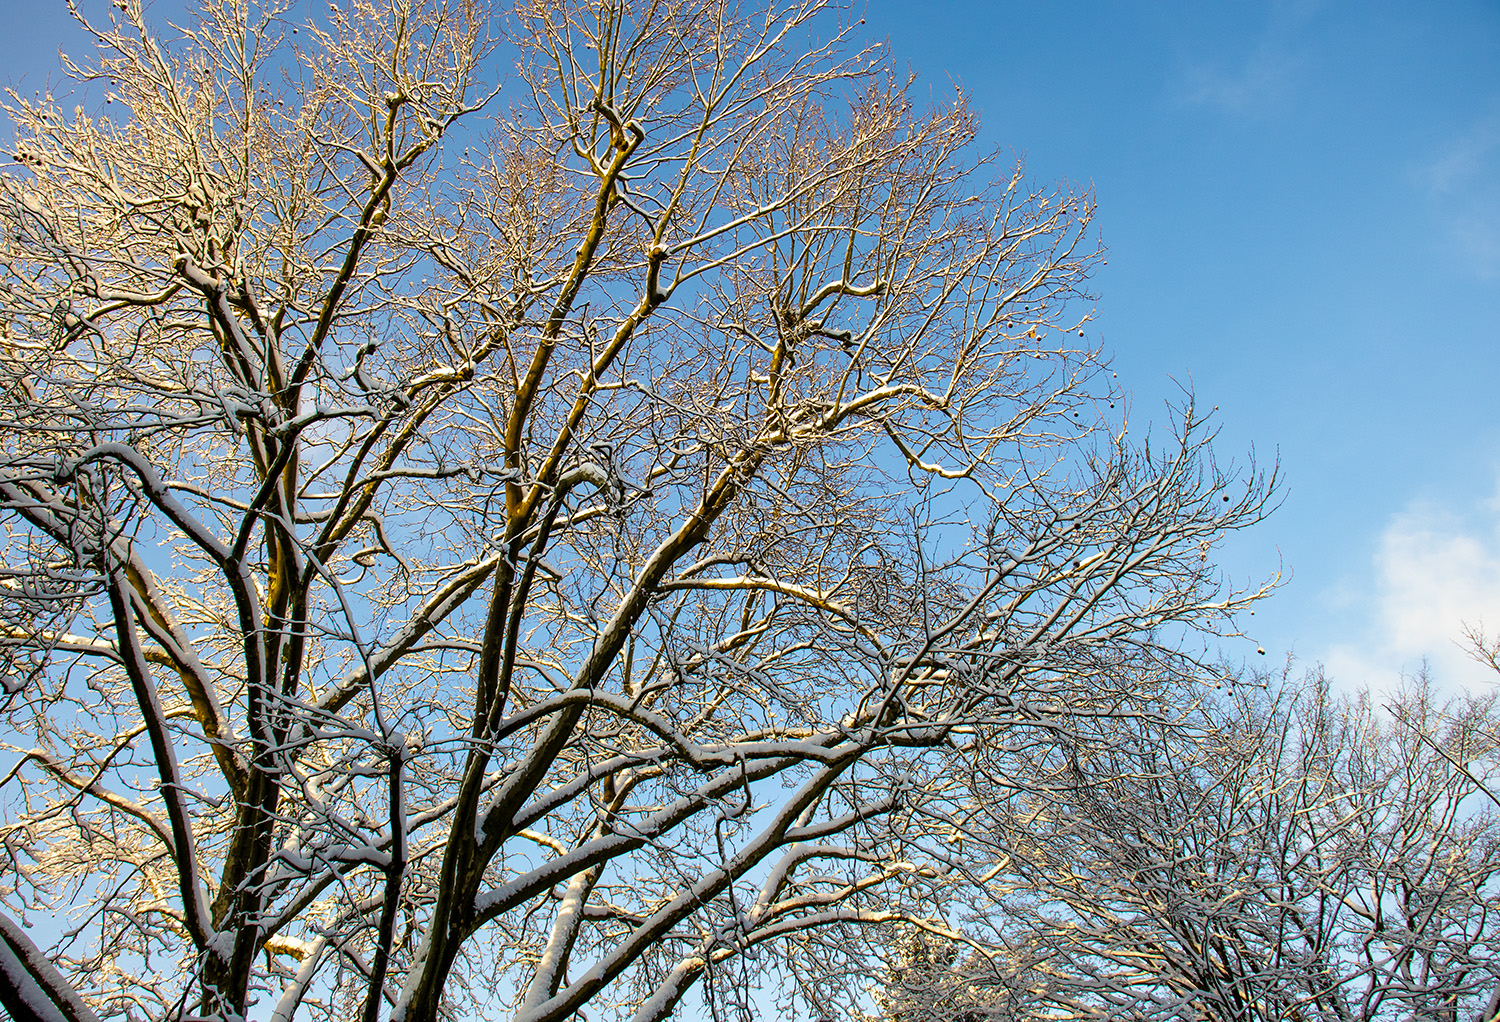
[
  {"x": 537, "y": 563},
  {"x": 1278, "y": 854}
]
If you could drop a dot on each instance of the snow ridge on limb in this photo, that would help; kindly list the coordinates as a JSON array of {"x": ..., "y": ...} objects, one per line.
[{"x": 31, "y": 988}]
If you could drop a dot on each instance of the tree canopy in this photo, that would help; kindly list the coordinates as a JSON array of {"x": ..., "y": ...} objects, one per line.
[{"x": 545, "y": 511}]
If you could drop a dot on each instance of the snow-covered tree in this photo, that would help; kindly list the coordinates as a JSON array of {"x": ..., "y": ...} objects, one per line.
[
  {"x": 1280, "y": 853},
  {"x": 523, "y": 511}
]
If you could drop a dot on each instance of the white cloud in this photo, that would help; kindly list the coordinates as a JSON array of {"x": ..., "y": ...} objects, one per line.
[{"x": 1436, "y": 574}]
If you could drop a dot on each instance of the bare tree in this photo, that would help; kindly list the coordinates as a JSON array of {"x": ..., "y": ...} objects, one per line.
[
  {"x": 529, "y": 542},
  {"x": 1280, "y": 854}
]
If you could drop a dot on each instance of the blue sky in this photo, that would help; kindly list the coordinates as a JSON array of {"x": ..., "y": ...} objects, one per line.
[{"x": 1302, "y": 206}]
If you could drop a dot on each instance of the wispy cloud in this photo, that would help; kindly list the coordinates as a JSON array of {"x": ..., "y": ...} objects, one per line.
[
  {"x": 1261, "y": 77},
  {"x": 1464, "y": 158},
  {"x": 1436, "y": 574},
  {"x": 1462, "y": 180}
]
